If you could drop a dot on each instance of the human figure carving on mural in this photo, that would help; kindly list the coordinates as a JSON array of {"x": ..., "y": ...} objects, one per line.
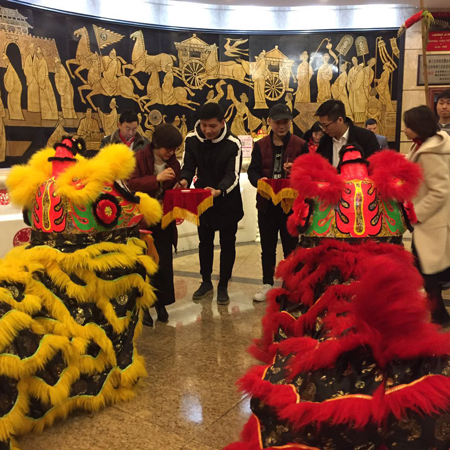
[
  {"x": 109, "y": 120},
  {"x": 49, "y": 109},
  {"x": 259, "y": 72},
  {"x": 58, "y": 133},
  {"x": 149, "y": 127},
  {"x": 168, "y": 97},
  {"x": 13, "y": 87},
  {"x": 183, "y": 127},
  {"x": 211, "y": 98},
  {"x": 177, "y": 122},
  {"x": 304, "y": 74},
  {"x": 177, "y": 95},
  {"x": 369, "y": 76},
  {"x": 324, "y": 76},
  {"x": 65, "y": 90},
  {"x": 288, "y": 98},
  {"x": 374, "y": 108},
  {"x": 139, "y": 127},
  {"x": 339, "y": 89},
  {"x": 383, "y": 87},
  {"x": 242, "y": 113},
  {"x": 30, "y": 70},
  {"x": 110, "y": 74},
  {"x": 89, "y": 130},
  {"x": 154, "y": 92},
  {"x": 357, "y": 94},
  {"x": 2, "y": 131}
]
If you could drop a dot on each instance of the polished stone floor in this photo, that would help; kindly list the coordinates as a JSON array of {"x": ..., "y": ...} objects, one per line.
[{"x": 189, "y": 400}]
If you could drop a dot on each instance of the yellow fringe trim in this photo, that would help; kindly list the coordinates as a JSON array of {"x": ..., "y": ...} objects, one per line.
[
  {"x": 182, "y": 213},
  {"x": 8, "y": 422},
  {"x": 37, "y": 171},
  {"x": 286, "y": 196},
  {"x": 62, "y": 333},
  {"x": 11, "y": 324},
  {"x": 112, "y": 163},
  {"x": 150, "y": 208},
  {"x": 14, "y": 367}
]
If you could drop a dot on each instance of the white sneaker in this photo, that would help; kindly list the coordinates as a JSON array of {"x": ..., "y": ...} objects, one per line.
[{"x": 261, "y": 295}]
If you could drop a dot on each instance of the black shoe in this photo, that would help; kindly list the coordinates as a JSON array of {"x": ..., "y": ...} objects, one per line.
[
  {"x": 147, "y": 320},
  {"x": 205, "y": 288},
  {"x": 222, "y": 295},
  {"x": 163, "y": 315}
]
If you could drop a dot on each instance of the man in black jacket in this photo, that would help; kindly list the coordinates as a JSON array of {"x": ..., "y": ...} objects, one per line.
[
  {"x": 339, "y": 131},
  {"x": 216, "y": 155}
]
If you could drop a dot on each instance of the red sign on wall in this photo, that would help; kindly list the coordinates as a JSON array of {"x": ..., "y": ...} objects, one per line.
[{"x": 439, "y": 34}]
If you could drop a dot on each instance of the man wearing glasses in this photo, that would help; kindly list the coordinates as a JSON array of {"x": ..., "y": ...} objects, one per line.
[{"x": 339, "y": 131}]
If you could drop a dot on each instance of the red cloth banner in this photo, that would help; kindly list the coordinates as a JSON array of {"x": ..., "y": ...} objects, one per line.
[{"x": 188, "y": 204}]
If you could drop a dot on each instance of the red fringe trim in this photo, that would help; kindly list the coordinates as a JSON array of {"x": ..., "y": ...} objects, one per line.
[
  {"x": 386, "y": 310},
  {"x": 395, "y": 177},
  {"x": 314, "y": 177}
]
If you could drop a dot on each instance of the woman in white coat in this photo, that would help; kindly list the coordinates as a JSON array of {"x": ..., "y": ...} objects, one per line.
[{"x": 431, "y": 236}]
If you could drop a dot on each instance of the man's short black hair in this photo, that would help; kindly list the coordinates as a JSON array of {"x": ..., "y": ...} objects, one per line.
[
  {"x": 128, "y": 117},
  {"x": 211, "y": 111},
  {"x": 371, "y": 122},
  {"x": 444, "y": 94},
  {"x": 422, "y": 120},
  {"x": 333, "y": 109}
]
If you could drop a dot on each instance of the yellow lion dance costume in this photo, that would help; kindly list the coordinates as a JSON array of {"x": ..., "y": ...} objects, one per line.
[{"x": 70, "y": 301}]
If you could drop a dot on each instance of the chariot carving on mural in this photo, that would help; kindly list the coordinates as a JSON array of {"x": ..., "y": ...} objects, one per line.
[{"x": 81, "y": 87}]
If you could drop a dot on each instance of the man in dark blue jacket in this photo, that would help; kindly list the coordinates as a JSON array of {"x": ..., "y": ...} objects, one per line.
[{"x": 215, "y": 154}]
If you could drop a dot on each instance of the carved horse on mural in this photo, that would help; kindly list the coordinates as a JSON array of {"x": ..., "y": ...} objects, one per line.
[
  {"x": 105, "y": 78},
  {"x": 82, "y": 56},
  {"x": 225, "y": 69},
  {"x": 141, "y": 61},
  {"x": 167, "y": 94}
]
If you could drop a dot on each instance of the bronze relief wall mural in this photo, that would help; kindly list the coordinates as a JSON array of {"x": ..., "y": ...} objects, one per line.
[{"x": 62, "y": 74}]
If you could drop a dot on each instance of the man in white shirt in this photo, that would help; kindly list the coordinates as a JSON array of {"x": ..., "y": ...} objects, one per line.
[
  {"x": 340, "y": 130},
  {"x": 443, "y": 110}
]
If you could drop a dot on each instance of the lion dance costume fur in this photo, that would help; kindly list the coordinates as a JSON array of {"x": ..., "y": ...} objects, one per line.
[
  {"x": 70, "y": 301},
  {"x": 351, "y": 360}
]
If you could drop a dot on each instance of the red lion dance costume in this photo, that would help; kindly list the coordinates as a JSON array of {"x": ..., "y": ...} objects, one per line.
[{"x": 351, "y": 360}]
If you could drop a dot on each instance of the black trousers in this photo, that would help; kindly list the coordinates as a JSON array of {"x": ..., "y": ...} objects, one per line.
[
  {"x": 271, "y": 222},
  {"x": 433, "y": 289},
  {"x": 162, "y": 281},
  {"x": 227, "y": 252}
]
